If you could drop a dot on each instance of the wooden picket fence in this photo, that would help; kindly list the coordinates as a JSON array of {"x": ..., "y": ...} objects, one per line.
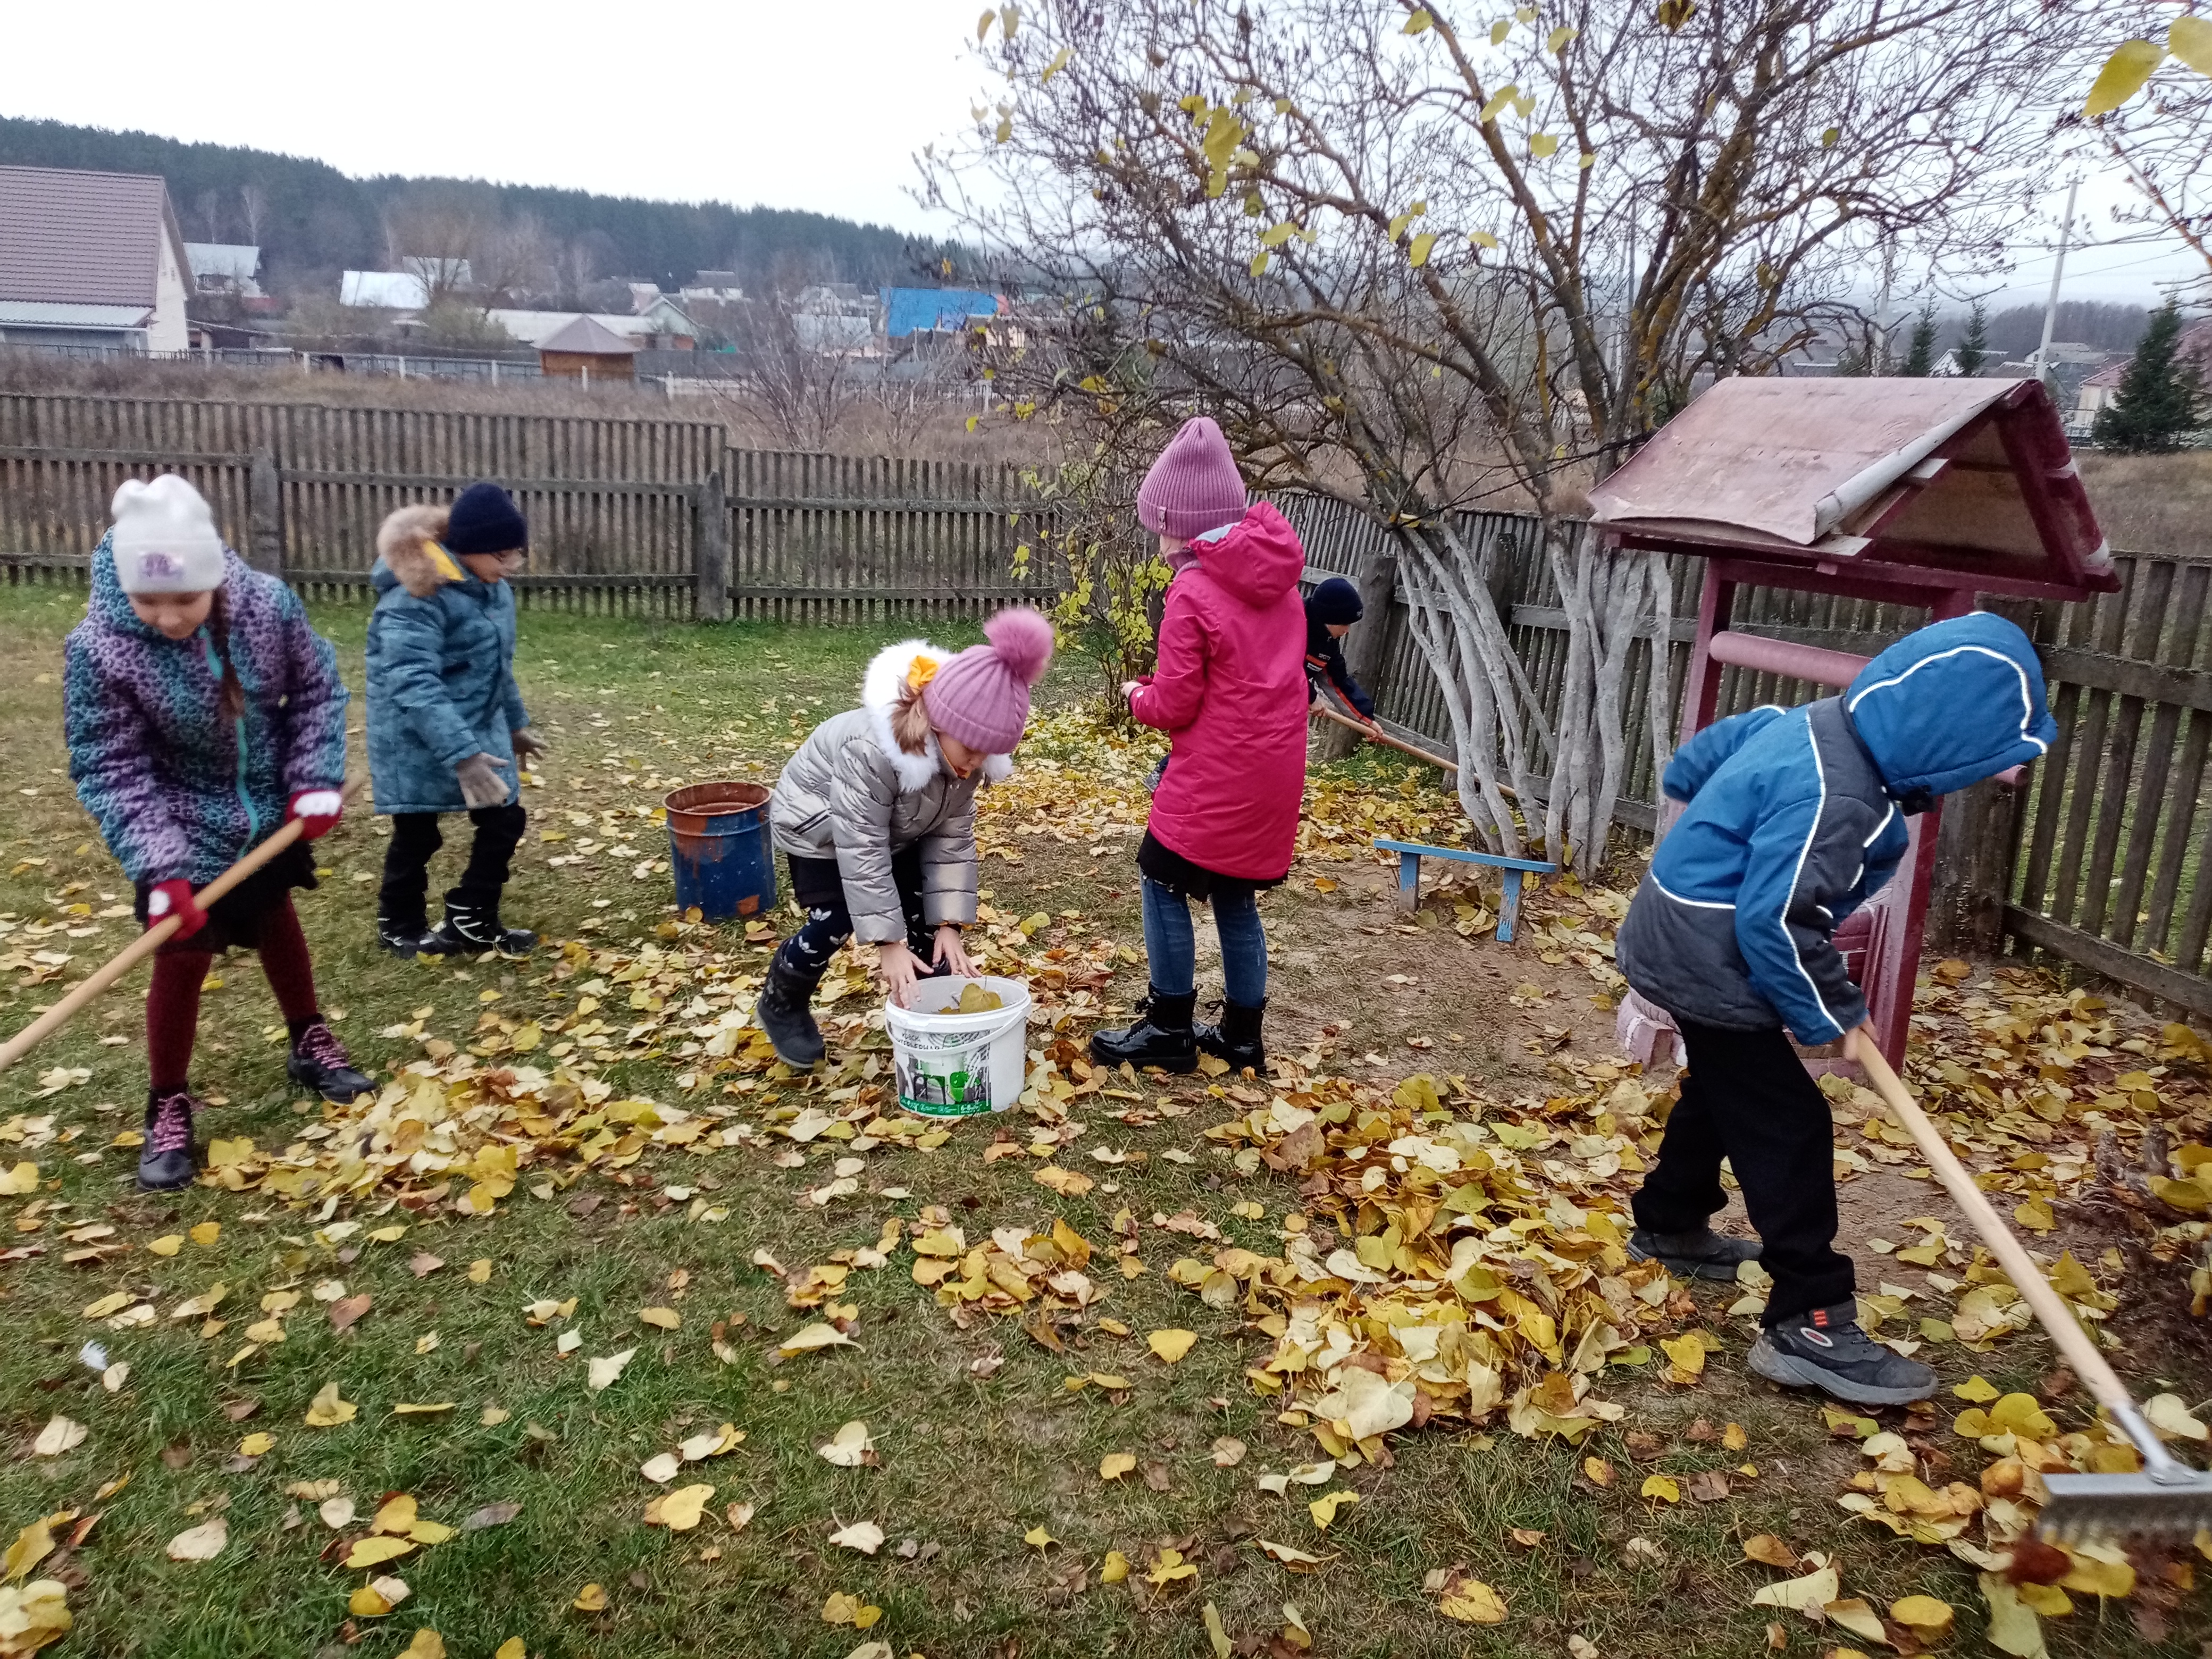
[
  {"x": 627, "y": 516},
  {"x": 2100, "y": 862}
]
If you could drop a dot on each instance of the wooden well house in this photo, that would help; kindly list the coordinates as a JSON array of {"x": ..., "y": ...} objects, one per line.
[{"x": 586, "y": 350}]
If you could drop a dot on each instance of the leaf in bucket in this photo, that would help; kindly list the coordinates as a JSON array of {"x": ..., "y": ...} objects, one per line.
[{"x": 974, "y": 999}]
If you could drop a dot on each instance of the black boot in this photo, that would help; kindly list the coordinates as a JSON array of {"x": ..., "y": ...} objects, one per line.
[
  {"x": 168, "y": 1161},
  {"x": 1162, "y": 1036},
  {"x": 1700, "y": 1253},
  {"x": 467, "y": 929},
  {"x": 401, "y": 936},
  {"x": 320, "y": 1062},
  {"x": 784, "y": 1011},
  {"x": 1237, "y": 1039}
]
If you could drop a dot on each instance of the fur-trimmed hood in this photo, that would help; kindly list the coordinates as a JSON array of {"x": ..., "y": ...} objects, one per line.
[
  {"x": 407, "y": 545},
  {"x": 880, "y": 694}
]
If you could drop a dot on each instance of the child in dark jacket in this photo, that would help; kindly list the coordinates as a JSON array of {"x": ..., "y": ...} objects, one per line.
[
  {"x": 201, "y": 712},
  {"x": 448, "y": 731},
  {"x": 1331, "y": 608},
  {"x": 1794, "y": 818}
]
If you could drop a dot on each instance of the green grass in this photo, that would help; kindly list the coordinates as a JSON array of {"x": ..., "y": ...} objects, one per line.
[{"x": 969, "y": 1464}]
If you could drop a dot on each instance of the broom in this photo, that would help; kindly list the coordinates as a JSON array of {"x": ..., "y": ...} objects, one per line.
[
  {"x": 2164, "y": 1497},
  {"x": 1376, "y": 734},
  {"x": 150, "y": 941}
]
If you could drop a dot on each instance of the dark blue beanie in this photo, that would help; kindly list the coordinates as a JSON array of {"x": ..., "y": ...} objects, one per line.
[
  {"x": 1336, "y": 600},
  {"x": 484, "y": 520}
]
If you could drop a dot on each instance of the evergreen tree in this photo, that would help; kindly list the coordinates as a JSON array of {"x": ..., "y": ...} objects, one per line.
[
  {"x": 2159, "y": 395},
  {"x": 1973, "y": 348},
  {"x": 1920, "y": 350}
]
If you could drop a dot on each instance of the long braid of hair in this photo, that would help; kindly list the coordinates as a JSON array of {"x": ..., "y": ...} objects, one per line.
[{"x": 230, "y": 701}]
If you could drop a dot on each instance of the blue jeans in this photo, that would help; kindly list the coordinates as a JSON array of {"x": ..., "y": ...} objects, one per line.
[{"x": 1169, "y": 943}]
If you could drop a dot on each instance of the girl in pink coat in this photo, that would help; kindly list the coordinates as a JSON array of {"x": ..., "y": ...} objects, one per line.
[{"x": 1231, "y": 691}]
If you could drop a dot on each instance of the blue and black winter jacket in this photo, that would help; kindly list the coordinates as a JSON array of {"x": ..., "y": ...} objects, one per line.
[{"x": 1795, "y": 816}]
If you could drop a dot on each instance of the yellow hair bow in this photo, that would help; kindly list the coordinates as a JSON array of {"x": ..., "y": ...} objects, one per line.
[{"x": 919, "y": 672}]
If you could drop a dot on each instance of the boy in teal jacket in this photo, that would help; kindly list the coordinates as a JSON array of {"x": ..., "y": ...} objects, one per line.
[{"x": 447, "y": 727}]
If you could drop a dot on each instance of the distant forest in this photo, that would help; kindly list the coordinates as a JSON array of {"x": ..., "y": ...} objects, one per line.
[{"x": 311, "y": 221}]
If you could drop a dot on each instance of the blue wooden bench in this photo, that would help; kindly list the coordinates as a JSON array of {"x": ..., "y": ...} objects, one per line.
[{"x": 1411, "y": 852}]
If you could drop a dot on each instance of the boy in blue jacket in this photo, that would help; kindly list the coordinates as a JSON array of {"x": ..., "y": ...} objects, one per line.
[
  {"x": 447, "y": 729},
  {"x": 1794, "y": 818}
]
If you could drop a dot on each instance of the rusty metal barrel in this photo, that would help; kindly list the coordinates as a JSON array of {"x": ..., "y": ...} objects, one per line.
[{"x": 719, "y": 849}]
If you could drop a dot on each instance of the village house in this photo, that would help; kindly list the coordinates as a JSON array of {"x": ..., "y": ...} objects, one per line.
[{"x": 91, "y": 260}]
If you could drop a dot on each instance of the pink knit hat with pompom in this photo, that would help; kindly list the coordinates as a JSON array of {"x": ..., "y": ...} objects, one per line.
[{"x": 982, "y": 696}]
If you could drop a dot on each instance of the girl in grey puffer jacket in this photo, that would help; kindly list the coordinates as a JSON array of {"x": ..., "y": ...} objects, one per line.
[{"x": 876, "y": 816}]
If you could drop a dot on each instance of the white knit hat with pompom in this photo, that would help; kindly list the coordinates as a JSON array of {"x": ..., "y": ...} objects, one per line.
[{"x": 165, "y": 540}]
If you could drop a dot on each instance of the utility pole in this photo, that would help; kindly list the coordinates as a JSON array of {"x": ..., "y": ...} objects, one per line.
[{"x": 2058, "y": 275}]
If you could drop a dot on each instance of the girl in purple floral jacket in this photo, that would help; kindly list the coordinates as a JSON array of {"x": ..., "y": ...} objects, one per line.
[{"x": 201, "y": 712}]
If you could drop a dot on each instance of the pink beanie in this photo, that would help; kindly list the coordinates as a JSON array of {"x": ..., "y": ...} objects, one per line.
[
  {"x": 1195, "y": 486},
  {"x": 982, "y": 696}
]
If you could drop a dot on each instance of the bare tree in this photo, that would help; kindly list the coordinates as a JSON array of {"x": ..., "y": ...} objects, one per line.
[
  {"x": 1419, "y": 260},
  {"x": 438, "y": 238},
  {"x": 2163, "y": 144},
  {"x": 253, "y": 207},
  {"x": 207, "y": 209},
  {"x": 797, "y": 386}
]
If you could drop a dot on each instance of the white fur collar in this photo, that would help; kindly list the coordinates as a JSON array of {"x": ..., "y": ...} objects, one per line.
[{"x": 880, "y": 694}]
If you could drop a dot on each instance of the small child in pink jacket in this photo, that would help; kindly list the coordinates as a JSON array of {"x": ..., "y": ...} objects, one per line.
[{"x": 1231, "y": 691}]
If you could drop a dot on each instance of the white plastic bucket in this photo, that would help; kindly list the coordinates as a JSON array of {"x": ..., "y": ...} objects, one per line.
[{"x": 948, "y": 1064}]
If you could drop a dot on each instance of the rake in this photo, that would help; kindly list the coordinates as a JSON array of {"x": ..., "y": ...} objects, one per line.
[
  {"x": 2164, "y": 1498},
  {"x": 148, "y": 942}
]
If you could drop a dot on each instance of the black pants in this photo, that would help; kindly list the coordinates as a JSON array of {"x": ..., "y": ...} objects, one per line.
[
  {"x": 815, "y": 884},
  {"x": 1747, "y": 1097},
  {"x": 415, "y": 837}
]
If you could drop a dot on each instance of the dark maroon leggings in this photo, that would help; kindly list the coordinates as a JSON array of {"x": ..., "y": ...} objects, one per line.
[{"x": 172, "y": 1003}]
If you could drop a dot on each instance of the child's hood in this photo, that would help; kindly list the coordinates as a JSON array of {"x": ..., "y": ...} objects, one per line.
[
  {"x": 1259, "y": 558},
  {"x": 409, "y": 556},
  {"x": 888, "y": 672},
  {"x": 109, "y": 606},
  {"x": 1952, "y": 704}
]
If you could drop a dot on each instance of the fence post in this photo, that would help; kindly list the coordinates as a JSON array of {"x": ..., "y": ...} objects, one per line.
[
  {"x": 1366, "y": 648},
  {"x": 1973, "y": 870},
  {"x": 265, "y": 512},
  {"x": 710, "y": 542}
]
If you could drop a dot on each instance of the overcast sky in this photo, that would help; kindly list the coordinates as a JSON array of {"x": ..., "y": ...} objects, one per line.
[
  {"x": 785, "y": 104},
  {"x": 789, "y": 105}
]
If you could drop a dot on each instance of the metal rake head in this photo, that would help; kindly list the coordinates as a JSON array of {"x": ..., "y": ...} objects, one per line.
[{"x": 2097, "y": 1508}]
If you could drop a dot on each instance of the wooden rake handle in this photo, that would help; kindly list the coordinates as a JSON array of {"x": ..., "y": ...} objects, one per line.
[
  {"x": 148, "y": 942},
  {"x": 1376, "y": 734},
  {"x": 2050, "y": 1309}
]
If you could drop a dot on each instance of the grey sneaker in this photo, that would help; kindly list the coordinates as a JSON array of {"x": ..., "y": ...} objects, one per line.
[
  {"x": 1703, "y": 1253},
  {"x": 1824, "y": 1348}
]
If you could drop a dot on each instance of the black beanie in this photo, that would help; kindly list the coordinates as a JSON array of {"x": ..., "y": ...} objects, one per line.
[
  {"x": 1336, "y": 600},
  {"x": 484, "y": 520}
]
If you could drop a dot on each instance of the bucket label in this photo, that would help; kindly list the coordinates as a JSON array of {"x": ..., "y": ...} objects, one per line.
[{"x": 945, "y": 1074}]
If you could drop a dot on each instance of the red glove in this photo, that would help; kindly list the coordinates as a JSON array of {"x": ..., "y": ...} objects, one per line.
[
  {"x": 174, "y": 898},
  {"x": 318, "y": 812}
]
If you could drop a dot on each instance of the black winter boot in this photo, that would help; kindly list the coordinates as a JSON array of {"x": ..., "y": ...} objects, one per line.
[
  {"x": 785, "y": 1013},
  {"x": 1162, "y": 1036},
  {"x": 1701, "y": 1253},
  {"x": 1824, "y": 1348},
  {"x": 320, "y": 1062},
  {"x": 466, "y": 931},
  {"x": 401, "y": 936},
  {"x": 167, "y": 1160},
  {"x": 1237, "y": 1039}
]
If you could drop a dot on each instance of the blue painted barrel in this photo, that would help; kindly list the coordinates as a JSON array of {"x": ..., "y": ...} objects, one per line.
[{"x": 719, "y": 846}]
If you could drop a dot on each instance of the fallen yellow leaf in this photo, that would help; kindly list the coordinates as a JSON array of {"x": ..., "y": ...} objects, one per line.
[
  {"x": 1663, "y": 1487},
  {"x": 1115, "y": 1465},
  {"x": 1172, "y": 1345},
  {"x": 1473, "y": 1603},
  {"x": 592, "y": 1598},
  {"x": 327, "y": 1411},
  {"x": 1324, "y": 1508},
  {"x": 205, "y": 1233},
  {"x": 1115, "y": 1569}
]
